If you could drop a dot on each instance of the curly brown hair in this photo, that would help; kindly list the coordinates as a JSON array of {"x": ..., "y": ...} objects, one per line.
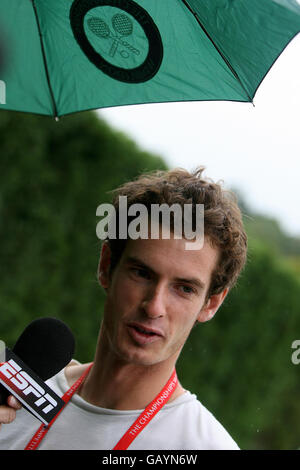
[{"x": 223, "y": 224}]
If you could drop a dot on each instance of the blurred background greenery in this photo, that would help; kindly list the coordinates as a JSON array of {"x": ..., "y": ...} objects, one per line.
[{"x": 53, "y": 176}]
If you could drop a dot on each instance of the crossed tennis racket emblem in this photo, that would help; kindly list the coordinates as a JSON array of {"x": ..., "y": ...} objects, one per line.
[{"x": 122, "y": 26}]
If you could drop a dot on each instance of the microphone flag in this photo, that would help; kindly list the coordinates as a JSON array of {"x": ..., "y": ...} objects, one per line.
[{"x": 35, "y": 395}]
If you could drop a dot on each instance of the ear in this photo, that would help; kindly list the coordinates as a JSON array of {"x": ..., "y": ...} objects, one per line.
[
  {"x": 210, "y": 308},
  {"x": 104, "y": 265}
]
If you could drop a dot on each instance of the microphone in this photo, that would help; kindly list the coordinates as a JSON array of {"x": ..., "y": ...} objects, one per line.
[{"x": 44, "y": 348}]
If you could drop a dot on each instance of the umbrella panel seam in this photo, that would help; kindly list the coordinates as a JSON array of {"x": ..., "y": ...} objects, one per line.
[
  {"x": 45, "y": 60},
  {"x": 235, "y": 74}
]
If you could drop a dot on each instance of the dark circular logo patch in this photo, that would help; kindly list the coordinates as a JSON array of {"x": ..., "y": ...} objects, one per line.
[{"x": 119, "y": 37}]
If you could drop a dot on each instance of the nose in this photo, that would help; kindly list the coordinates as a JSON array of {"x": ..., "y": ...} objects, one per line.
[{"x": 154, "y": 303}]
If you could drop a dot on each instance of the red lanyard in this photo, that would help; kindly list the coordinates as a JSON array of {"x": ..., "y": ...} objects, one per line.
[{"x": 139, "y": 424}]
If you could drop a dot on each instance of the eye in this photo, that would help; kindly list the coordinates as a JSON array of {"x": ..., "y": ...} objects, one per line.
[
  {"x": 187, "y": 290},
  {"x": 140, "y": 272}
]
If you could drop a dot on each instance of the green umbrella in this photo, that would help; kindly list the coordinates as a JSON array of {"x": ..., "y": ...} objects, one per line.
[{"x": 63, "y": 56}]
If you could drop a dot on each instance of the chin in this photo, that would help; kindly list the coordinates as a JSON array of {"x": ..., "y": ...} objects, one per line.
[{"x": 138, "y": 358}]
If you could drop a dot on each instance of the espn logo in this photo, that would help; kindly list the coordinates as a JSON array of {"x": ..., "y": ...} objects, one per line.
[
  {"x": 21, "y": 380},
  {"x": 36, "y": 396}
]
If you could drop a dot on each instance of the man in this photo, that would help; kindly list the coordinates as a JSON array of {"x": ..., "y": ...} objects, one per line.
[{"x": 156, "y": 291}]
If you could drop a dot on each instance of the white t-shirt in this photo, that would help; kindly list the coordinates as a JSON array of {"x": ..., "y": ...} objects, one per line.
[{"x": 183, "y": 424}]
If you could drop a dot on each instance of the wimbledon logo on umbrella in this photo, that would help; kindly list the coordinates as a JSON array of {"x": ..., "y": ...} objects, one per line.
[
  {"x": 119, "y": 37},
  {"x": 136, "y": 222}
]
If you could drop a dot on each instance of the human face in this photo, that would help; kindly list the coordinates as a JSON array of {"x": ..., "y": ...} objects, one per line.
[{"x": 154, "y": 297}]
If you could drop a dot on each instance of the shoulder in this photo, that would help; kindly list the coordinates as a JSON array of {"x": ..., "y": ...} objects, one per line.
[
  {"x": 74, "y": 370},
  {"x": 199, "y": 426},
  {"x": 210, "y": 429}
]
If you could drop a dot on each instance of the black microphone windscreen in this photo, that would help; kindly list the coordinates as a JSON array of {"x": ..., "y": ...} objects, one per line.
[{"x": 46, "y": 345}]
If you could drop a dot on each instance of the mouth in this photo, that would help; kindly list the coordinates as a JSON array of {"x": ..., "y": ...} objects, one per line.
[{"x": 143, "y": 334}]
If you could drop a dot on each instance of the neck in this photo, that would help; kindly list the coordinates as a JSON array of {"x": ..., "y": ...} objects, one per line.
[{"x": 115, "y": 384}]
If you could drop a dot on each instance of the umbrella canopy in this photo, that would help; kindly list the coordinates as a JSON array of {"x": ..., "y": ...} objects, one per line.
[{"x": 60, "y": 57}]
